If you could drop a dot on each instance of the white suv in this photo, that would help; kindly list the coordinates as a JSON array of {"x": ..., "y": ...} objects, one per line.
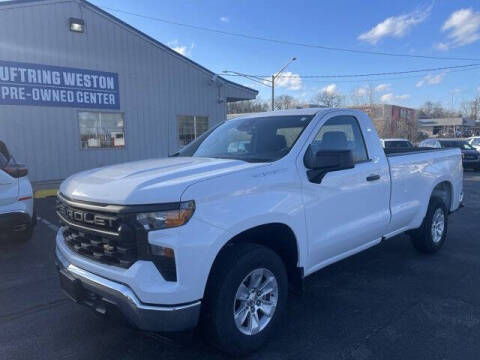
[{"x": 17, "y": 216}]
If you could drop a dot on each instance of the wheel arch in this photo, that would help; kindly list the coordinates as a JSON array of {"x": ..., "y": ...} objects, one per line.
[
  {"x": 444, "y": 190},
  {"x": 277, "y": 236}
]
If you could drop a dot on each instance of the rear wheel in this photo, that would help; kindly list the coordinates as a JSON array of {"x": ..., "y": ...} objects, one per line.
[
  {"x": 429, "y": 238},
  {"x": 245, "y": 299}
]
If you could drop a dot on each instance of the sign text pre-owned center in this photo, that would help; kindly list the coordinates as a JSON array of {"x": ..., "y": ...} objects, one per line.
[{"x": 45, "y": 85}]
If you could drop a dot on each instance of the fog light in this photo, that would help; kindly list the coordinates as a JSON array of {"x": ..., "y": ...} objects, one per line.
[{"x": 164, "y": 260}]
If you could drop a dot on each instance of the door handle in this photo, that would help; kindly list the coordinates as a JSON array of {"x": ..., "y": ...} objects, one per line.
[{"x": 373, "y": 177}]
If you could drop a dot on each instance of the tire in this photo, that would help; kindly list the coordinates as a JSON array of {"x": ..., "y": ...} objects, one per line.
[
  {"x": 424, "y": 238},
  {"x": 238, "y": 264}
]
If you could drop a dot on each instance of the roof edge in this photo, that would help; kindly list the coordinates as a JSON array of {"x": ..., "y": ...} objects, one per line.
[{"x": 112, "y": 17}]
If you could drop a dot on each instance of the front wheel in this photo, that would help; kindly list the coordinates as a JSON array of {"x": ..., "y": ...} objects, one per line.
[
  {"x": 430, "y": 237},
  {"x": 246, "y": 298}
]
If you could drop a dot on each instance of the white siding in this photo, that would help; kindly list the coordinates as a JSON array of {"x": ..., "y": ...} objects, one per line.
[{"x": 156, "y": 85}]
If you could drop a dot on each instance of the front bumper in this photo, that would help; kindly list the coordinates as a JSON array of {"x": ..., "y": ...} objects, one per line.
[{"x": 102, "y": 295}]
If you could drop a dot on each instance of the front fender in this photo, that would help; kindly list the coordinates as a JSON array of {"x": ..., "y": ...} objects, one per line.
[{"x": 241, "y": 201}]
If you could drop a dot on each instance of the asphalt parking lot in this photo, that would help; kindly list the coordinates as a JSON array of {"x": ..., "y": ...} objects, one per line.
[{"x": 386, "y": 303}]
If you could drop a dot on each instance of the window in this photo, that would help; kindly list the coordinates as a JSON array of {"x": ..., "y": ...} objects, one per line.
[
  {"x": 290, "y": 134},
  {"x": 258, "y": 139},
  {"x": 100, "y": 130},
  {"x": 476, "y": 141},
  {"x": 4, "y": 151},
  {"x": 398, "y": 144},
  {"x": 342, "y": 133},
  {"x": 463, "y": 145},
  {"x": 190, "y": 127},
  {"x": 3, "y": 161}
]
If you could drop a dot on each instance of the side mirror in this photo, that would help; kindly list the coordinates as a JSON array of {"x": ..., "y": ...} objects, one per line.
[{"x": 322, "y": 162}]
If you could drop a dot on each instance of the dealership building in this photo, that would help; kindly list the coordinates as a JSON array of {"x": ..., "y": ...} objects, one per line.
[{"x": 79, "y": 88}]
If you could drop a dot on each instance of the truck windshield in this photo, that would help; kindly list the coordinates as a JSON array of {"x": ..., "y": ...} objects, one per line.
[{"x": 258, "y": 139}]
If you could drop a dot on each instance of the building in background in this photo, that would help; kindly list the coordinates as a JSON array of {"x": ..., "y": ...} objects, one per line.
[
  {"x": 79, "y": 89},
  {"x": 392, "y": 120},
  {"x": 447, "y": 127}
]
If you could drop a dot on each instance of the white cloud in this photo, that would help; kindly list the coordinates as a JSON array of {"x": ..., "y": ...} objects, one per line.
[
  {"x": 287, "y": 80},
  {"x": 382, "y": 87},
  {"x": 181, "y": 50},
  {"x": 361, "y": 91},
  {"x": 392, "y": 98},
  {"x": 184, "y": 50},
  {"x": 441, "y": 46},
  {"x": 395, "y": 26},
  {"x": 225, "y": 19},
  {"x": 463, "y": 27},
  {"x": 329, "y": 89},
  {"x": 431, "y": 79}
]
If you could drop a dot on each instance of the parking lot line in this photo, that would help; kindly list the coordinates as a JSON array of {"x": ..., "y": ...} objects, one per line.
[{"x": 51, "y": 226}]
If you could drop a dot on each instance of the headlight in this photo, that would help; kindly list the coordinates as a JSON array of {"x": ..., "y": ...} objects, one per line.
[{"x": 177, "y": 216}]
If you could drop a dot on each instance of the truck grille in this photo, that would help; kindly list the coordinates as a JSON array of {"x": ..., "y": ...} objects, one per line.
[{"x": 103, "y": 237}]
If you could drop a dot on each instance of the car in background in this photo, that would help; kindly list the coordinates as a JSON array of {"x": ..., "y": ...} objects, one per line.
[
  {"x": 17, "y": 215},
  {"x": 475, "y": 142},
  {"x": 396, "y": 144},
  {"x": 470, "y": 156}
]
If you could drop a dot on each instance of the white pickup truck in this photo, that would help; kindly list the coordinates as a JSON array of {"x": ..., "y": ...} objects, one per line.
[{"x": 216, "y": 234}]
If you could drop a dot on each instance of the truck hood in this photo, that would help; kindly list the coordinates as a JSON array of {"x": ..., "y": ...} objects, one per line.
[{"x": 148, "y": 181}]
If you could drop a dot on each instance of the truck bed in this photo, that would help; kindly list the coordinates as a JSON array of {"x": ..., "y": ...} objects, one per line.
[
  {"x": 413, "y": 175},
  {"x": 397, "y": 152}
]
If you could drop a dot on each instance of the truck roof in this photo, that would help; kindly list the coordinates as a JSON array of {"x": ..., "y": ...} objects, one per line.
[
  {"x": 395, "y": 139},
  {"x": 289, "y": 112}
]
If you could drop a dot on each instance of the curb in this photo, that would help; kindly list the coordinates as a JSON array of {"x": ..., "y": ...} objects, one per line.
[{"x": 42, "y": 194}]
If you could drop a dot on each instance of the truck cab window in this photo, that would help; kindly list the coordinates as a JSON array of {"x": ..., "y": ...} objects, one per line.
[{"x": 342, "y": 133}]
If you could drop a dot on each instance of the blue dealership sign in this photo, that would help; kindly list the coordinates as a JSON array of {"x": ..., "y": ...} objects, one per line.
[{"x": 45, "y": 85}]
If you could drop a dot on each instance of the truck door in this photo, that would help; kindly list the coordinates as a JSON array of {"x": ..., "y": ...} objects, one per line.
[{"x": 349, "y": 209}]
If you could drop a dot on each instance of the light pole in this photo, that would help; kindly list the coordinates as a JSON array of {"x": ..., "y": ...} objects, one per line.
[
  {"x": 263, "y": 80},
  {"x": 274, "y": 77}
]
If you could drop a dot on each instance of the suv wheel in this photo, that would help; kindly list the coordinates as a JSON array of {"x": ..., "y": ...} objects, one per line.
[
  {"x": 245, "y": 299},
  {"x": 429, "y": 238}
]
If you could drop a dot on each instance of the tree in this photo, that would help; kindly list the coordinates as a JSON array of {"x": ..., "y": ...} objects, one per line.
[
  {"x": 471, "y": 109},
  {"x": 283, "y": 102},
  {"x": 247, "y": 106},
  {"x": 364, "y": 96},
  {"x": 431, "y": 110},
  {"x": 330, "y": 99}
]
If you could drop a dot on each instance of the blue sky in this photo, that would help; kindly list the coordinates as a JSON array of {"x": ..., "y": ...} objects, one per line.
[{"x": 441, "y": 28}]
